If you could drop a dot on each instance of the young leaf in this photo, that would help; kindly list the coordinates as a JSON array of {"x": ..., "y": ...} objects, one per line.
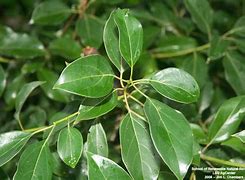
[
  {"x": 137, "y": 151},
  {"x": 21, "y": 97},
  {"x": 176, "y": 85},
  {"x": 70, "y": 146},
  {"x": 90, "y": 30},
  {"x": 90, "y": 76},
  {"x": 102, "y": 168},
  {"x": 130, "y": 36},
  {"x": 35, "y": 163},
  {"x": 96, "y": 140},
  {"x": 235, "y": 71},
  {"x": 11, "y": 143},
  {"x": 94, "y": 111},
  {"x": 201, "y": 14},
  {"x": 111, "y": 41},
  {"x": 2, "y": 80},
  {"x": 50, "y": 13},
  {"x": 167, "y": 127},
  {"x": 227, "y": 119}
]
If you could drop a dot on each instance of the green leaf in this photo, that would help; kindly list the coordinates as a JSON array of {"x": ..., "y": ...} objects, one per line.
[
  {"x": 176, "y": 85},
  {"x": 102, "y": 168},
  {"x": 11, "y": 143},
  {"x": 236, "y": 142},
  {"x": 70, "y": 146},
  {"x": 90, "y": 30},
  {"x": 2, "y": 80},
  {"x": 50, "y": 13},
  {"x": 22, "y": 95},
  {"x": 35, "y": 163},
  {"x": 130, "y": 36},
  {"x": 235, "y": 71},
  {"x": 240, "y": 135},
  {"x": 167, "y": 127},
  {"x": 100, "y": 108},
  {"x": 138, "y": 153},
  {"x": 89, "y": 76},
  {"x": 227, "y": 119},
  {"x": 111, "y": 41},
  {"x": 50, "y": 77},
  {"x": 239, "y": 27},
  {"x": 198, "y": 133},
  {"x": 201, "y": 14},
  {"x": 240, "y": 43},
  {"x": 196, "y": 154},
  {"x": 59, "y": 47},
  {"x": 206, "y": 97},
  {"x": 96, "y": 140}
]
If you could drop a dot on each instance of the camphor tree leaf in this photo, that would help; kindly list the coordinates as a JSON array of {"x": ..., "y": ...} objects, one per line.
[
  {"x": 89, "y": 76},
  {"x": 35, "y": 162},
  {"x": 111, "y": 41},
  {"x": 227, "y": 119},
  {"x": 50, "y": 13},
  {"x": 21, "y": 97},
  {"x": 236, "y": 142},
  {"x": 90, "y": 30},
  {"x": 171, "y": 135},
  {"x": 130, "y": 36},
  {"x": 70, "y": 146},
  {"x": 201, "y": 14},
  {"x": 11, "y": 143},
  {"x": 96, "y": 140},
  {"x": 138, "y": 153},
  {"x": 235, "y": 71},
  {"x": 59, "y": 47},
  {"x": 90, "y": 112},
  {"x": 102, "y": 168},
  {"x": 176, "y": 85},
  {"x": 239, "y": 27},
  {"x": 2, "y": 80}
]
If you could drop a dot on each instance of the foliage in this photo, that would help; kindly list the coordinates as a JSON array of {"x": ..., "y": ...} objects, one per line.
[{"x": 121, "y": 89}]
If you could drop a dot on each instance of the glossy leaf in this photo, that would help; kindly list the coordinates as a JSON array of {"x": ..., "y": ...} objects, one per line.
[
  {"x": 240, "y": 135},
  {"x": 90, "y": 112},
  {"x": 11, "y": 143},
  {"x": 227, "y": 119},
  {"x": 50, "y": 13},
  {"x": 235, "y": 71},
  {"x": 144, "y": 163},
  {"x": 201, "y": 14},
  {"x": 167, "y": 127},
  {"x": 2, "y": 80},
  {"x": 70, "y": 146},
  {"x": 102, "y": 168},
  {"x": 87, "y": 75},
  {"x": 23, "y": 94},
  {"x": 59, "y": 47},
  {"x": 239, "y": 27},
  {"x": 206, "y": 97},
  {"x": 176, "y": 85},
  {"x": 90, "y": 30},
  {"x": 50, "y": 77},
  {"x": 96, "y": 140},
  {"x": 111, "y": 41},
  {"x": 130, "y": 36},
  {"x": 236, "y": 142},
  {"x": 35, "y": 163},
  {"x": 198, "y": 133}
]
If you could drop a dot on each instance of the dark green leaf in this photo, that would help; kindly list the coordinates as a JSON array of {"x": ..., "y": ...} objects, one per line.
[
  {"x": 130, "y": 36},
  {"x": 201, "y": 14},
  {"x": 240, "y": 44},
  {"x": 90, "y": 30},
  {"x": 59, "y": 47},
  {"x": 239, "y": 27},
  {"x": 176, "y": 84},
  {"x": 35, "y": 163},
  {"x": 90, "y": 112},
  {"x": 198, "y": 133},
  {"x": 206, "y": 97},
  {"x": 50, "y": 13},
  {"x": 11, "y": 143},
  {"x": 90, "y": 76},
  {"x": 102, "y": 168},
  {"x": 22, "y": 95},
  {"x": 96, "y": 140},
  {"x": 138, "y": 153},
  {"x": 70, "y": 146},
  {"x": 196, "y": 154},
  {"x": 236, "y": 142},
  {"x": 227, "y": 119},
  {"x": 2, "y": 80},
  {"x": 167, "y": 127},
  {"x": 234, "y": 65}
]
